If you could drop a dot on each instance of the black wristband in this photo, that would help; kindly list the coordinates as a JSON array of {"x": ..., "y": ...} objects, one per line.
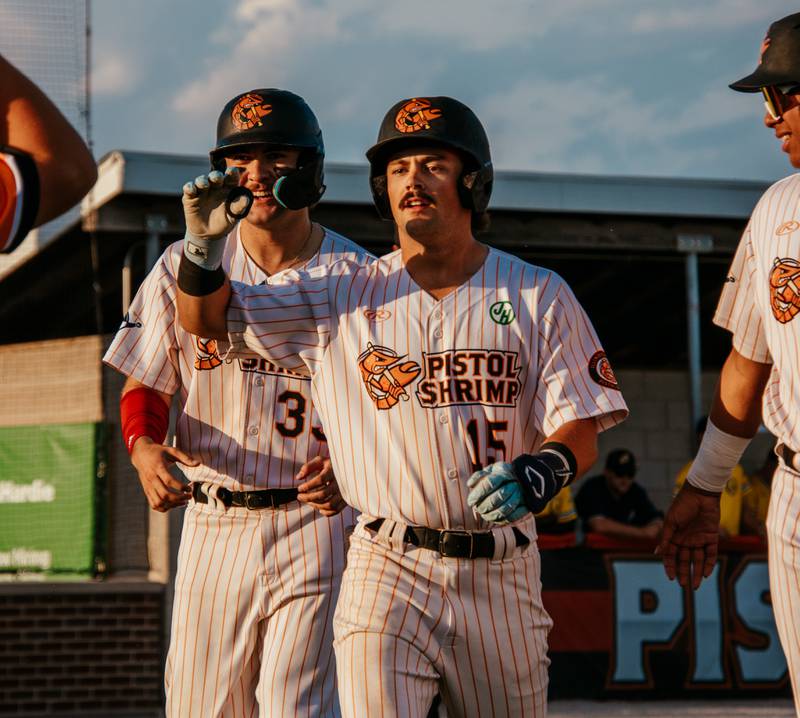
[
  {"x": 541, "y": 476},
  {"x": 196, "y": 281},
  {"x": 564, "y": 451}
]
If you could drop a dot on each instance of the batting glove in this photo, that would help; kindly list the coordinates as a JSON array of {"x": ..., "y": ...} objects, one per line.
[
  {"x": 212, "y": 205},
  {"x": 496, "y": 494},
  {"x": 503, "y": 492}
]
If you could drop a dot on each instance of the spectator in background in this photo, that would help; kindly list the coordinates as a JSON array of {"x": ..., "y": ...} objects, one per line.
[
  {"x": 756, "y": 502},
  {"x": 559, "y": 516},
  {"x": 45, "y": 166},
  {"x": 613, "y": 504},
  {"x": 730, "y": 508}
]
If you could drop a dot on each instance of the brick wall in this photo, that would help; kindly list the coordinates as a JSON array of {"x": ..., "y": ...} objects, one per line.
[{"x": 81, "y": 649}]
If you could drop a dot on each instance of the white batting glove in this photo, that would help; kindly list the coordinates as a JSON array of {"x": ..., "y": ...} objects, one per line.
[
  {"x": 496, "y": 494},
  {"x": 212, "y": 205}
]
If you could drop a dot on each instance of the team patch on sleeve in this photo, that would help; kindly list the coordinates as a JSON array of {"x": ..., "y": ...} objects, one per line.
[
  {"x": 19, "y": 197},
  {"x": 600, "y": 370}
]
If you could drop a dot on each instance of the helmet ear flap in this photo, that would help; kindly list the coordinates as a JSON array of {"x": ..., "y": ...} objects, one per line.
[
  {"x": 475, "y": 189},
  {"x": 217, "y": 162},
  {"x": 302, "y": 187},
  {"x": 380, "y": 196}
]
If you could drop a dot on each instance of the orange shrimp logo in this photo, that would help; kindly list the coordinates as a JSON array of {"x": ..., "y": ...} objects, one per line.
[
  {"x": 386, "y": 375},
  {"x": 784, "y": 292},
  {"x": 416, "y": 115},
  {"x": 248, "y": 112},
  {"x": 206, "y": 356}
]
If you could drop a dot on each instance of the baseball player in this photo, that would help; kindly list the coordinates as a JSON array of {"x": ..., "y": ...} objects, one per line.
[
  {"x": 759, "y": 304},
  {"x": 461, "y": 389},
  {"x": 45, "y": 166},
  {"x": 259, "y": 563}
]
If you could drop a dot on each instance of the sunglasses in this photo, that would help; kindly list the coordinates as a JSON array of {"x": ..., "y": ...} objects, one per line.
[{"x": 775, "y": 99}]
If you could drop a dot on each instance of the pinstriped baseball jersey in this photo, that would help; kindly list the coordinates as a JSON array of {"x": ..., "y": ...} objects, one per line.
[
  {"x": 416, "y": 393},
  {"x": 761, "y": 299},
  {"x": 248, "y": 421},
  {"x": 254, "y": 590},
  {"x": 759, "y": 306}
]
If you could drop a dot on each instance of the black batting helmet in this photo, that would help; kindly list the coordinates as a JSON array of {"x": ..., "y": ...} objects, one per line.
[
  {"x": 434, "y": 121},
  {"x": 280, "y": 118},
  {"x": 779, "y": 63}
]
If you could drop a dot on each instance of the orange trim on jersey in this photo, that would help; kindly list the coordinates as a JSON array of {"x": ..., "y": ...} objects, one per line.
[{"x": 9, "y": 205}]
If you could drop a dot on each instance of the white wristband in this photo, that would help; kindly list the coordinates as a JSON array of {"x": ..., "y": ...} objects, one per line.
[
  {"x": 205, "y": 253},
  {"x": 717, "y": 457}
]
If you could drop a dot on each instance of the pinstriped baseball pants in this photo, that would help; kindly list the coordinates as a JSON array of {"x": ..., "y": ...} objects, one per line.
[
  {"x": 252, "y": 620},
  {"x": 783, "y": 532},
  {"x": 410, "y": 624}
]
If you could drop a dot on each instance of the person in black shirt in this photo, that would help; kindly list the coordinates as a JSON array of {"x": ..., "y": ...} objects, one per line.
[{"x": 614, "y": 504}]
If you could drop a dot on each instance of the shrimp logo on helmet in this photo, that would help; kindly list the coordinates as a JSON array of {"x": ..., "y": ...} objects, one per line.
[
  {"x": 386, "y": 375},
  {"x": 248, "y": 111},
  {"x": 416, "y": 115},
  {"x": 784, "y": 289},
  {"x": 206, "y": 354}
]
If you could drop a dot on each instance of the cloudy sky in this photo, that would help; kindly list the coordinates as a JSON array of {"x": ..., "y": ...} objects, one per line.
[{"x": 635, "y": 87}]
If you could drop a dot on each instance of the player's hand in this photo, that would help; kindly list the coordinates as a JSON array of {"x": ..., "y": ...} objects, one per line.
[
  {"x": 208, "y": 213},
  {"x": 319, "y": 488},
  {"x": 496, "y": 494},
  {"x": 152, "y": 461},
  {"x": 690, "y": 536}
]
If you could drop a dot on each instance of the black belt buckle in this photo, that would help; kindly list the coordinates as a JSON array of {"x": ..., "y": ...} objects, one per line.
[
  {"x": 254, "y": 500},
  {"x": 456, "y": 544}
]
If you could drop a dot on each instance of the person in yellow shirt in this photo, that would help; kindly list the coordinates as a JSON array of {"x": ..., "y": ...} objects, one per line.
[
  {"x": 732, "y": 501},
  {"x": 559, "y": 516}
]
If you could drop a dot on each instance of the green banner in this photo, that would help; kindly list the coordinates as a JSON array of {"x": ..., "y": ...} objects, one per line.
[{"x": 48, "y": 517}]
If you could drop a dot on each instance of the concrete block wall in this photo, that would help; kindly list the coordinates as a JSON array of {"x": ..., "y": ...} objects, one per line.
[{"x": 659, "y": 430}]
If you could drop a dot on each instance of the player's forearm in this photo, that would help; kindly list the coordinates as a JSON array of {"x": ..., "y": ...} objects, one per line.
[
  {"x": 205, "y": 316},
  {"x": 581, "y": 438},
  {"x": 32, "y": 123},
  {"x": 736, "y": 407}
]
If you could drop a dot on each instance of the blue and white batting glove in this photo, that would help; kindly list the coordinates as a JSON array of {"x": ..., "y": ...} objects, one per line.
[
  {"x": 496, "y": 494},
  {"x": 503, "y": 492},
  {"x": 212, "y": 205}
]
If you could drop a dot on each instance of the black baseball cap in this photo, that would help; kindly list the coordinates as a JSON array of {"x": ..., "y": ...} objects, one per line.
[
  {"x": 780, "y": 58},
  {"x": 622, "y": 462}
]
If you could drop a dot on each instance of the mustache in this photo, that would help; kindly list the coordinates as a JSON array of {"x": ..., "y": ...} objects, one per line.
[{"x": 415, "y": 195}]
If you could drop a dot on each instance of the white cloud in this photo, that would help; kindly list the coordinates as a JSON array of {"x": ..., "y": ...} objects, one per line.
[
  {"x": 114, "y": 75},
  {"x": 483, "y": 26},
  {"x": 593, "y": 124},
  {"x": 717, "y": 15},
  {"x": 271, "y": 34}
]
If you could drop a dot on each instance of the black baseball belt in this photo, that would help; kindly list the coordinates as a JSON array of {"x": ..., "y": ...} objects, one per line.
[
  {"x": 266, "y": 499},
  {"x": 452, "y": 543}
]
